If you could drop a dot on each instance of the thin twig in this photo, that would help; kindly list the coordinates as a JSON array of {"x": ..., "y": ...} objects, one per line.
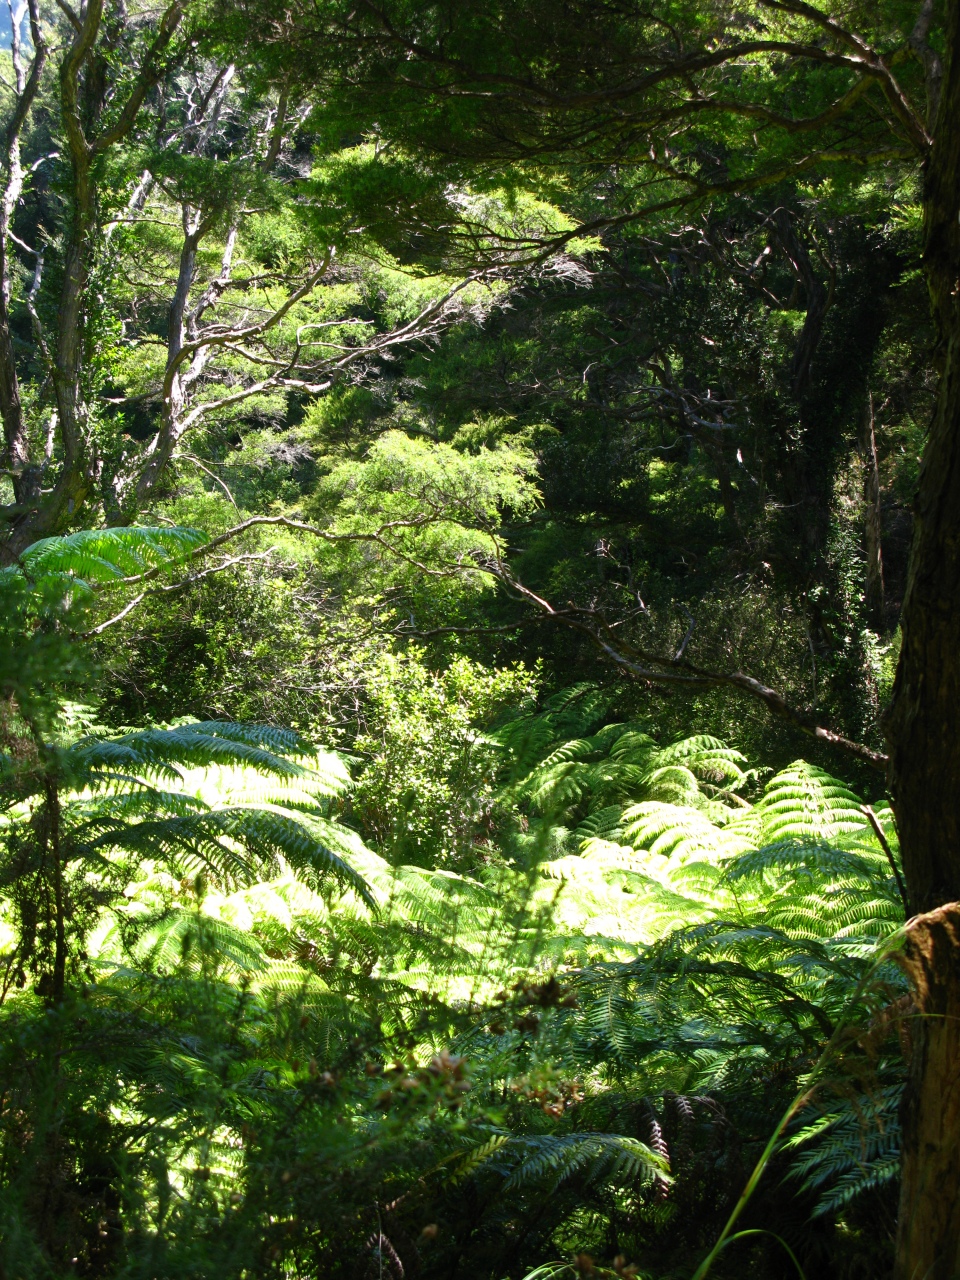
[
  {"x": 215, "y": 478},
  {"x": 686, "y": 639},
  {"x": 170, "y": 588},
  {"x": 884, "y": 845}
]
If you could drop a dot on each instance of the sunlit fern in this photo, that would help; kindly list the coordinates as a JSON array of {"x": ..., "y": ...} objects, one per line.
[{"x": 755, "y": 924}]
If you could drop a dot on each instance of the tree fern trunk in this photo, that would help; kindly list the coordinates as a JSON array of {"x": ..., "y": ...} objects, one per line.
[{"x": 923, "y": 728}]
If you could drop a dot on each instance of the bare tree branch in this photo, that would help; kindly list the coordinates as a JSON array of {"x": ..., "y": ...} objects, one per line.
[
  {"x": 169, "y": 588},
  {"x": 678, "y": 672},
  {"x": 213, "y": 476},
  {"x": 881, "y": 835}
]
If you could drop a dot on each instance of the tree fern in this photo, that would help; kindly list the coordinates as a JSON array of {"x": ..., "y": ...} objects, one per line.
[
  {"x": 108, "y": 555},
  {"x": 546, "y": 1161},
  {"x": 277, "y": 1018},
  {"x": 805, "y": 801},
  {"x": 777, "y": 912},
  {"x": 849, "y": 1150}
]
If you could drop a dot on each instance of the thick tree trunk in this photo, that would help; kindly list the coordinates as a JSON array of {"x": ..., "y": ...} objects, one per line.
[
  {"x": 923, "y": 728},
  {"x": 929, "y": 1236},
  {"x": 818, "y": 301}
]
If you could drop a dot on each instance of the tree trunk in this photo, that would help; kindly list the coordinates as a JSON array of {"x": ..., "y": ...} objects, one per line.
[
  {"x": 58, "y": 985},
  {"x": 923, "y": 728},
  {"x": 929, "y": 1236},
  {"x": 819, "y": 298},
  {"x": 873, "y": 586}
]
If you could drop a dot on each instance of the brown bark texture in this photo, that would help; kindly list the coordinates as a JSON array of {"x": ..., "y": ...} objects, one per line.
[
  {"x": 922, "y": 723},
  {"x": 922, "y": 729},
  {"x": 929, "y": 1234}
]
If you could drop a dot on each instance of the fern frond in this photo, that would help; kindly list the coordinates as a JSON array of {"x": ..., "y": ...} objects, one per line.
[
  {"x": 159, "y": 752},
  {"x": 804, "y": 801},
  {"x": 852, "y": 1149},
  {"x": 675, "y": 830},
  {"x": 181, "y": 935},
  {"x": 468, "y": 1163},
  {"x": 816, "y": 859},
  {"x": 106, "y": 555},
  {"x": 233, "y": 844},
  {"x": 549, "y": 1160}
]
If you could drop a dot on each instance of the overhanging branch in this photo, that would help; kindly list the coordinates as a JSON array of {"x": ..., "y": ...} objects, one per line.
[
  {"x": 679, "y": 672},
  {"x": 676, "y": 671}
]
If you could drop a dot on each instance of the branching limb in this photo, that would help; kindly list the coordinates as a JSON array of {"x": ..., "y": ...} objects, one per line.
[
  {"x": 170, "y": 588},
  {"x": 377, "y": 536},
  {"x": 701, "y": 193},
  {"x": 150, "y": 73},
  {"x": 219, "y": 335},
  {"x": 70, "y": 15},
  {"x": 428, "y": 633},
  {"x": 213, "y": 476},
  {"x": 675, "y": 671},
  {"x": 929, "y": 58},
  {"x": 874, "y": 65},
  {"x": 679, "y": 672}
]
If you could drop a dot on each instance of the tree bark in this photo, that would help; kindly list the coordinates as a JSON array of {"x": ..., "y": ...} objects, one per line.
[
  {"x": 929, "y": 1236},
  {"x": 26, "y": 479},
  {"x": 923, "y": 729},
  {"x": 818, "y": 300}
]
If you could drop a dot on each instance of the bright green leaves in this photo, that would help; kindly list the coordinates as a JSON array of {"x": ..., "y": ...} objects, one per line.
[
  {"x": 423, "y": 515},
  {"x": 106, "y": 555},
  {"x": 428, "y": 791},
  {"x": 232, "y": 845},
  {"x": 404, "y": 479},
  {"x": 162, "y": 752},
  {"x": 427, "y": 214},
  {"x": 361, "y": 196}
]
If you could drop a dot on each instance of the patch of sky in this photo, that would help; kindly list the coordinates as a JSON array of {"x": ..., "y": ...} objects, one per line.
[{"x": 5, "y": 29}]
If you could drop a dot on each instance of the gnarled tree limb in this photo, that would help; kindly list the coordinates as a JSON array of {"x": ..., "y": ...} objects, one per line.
[{"x": 680, "y": 672}]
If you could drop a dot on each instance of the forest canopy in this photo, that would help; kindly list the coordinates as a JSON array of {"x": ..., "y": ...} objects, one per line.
[{"x": 480, "y": 640}]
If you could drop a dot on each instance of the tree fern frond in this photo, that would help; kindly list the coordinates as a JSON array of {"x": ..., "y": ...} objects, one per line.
[
  {"x": 675, "y": 830},
  {"x": 709, "y": 758},
  {"x": 199, "y": 745},
  {"x": 105, "y": 555},
  {"x": 603, "y": 823},
  {"x": 549, "y": 1160},
  {"x": 232, "y": 843},
  {"x": 171, "y": 940},
  {"x": 468, "y": 1164},
  {"x": 816, "y": 858},
  {"x": 804, "y": 801},
  {"x": 325, "y": 778},
  {"x": 850, "y": 1150},
  {"x": 136, "y": 800}
]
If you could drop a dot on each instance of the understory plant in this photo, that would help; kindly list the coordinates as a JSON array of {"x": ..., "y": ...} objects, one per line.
[{"x": 237, "y": 1040}]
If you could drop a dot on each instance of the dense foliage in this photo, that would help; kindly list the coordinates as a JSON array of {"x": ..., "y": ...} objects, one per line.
[{"x": 404, "y": 462}]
